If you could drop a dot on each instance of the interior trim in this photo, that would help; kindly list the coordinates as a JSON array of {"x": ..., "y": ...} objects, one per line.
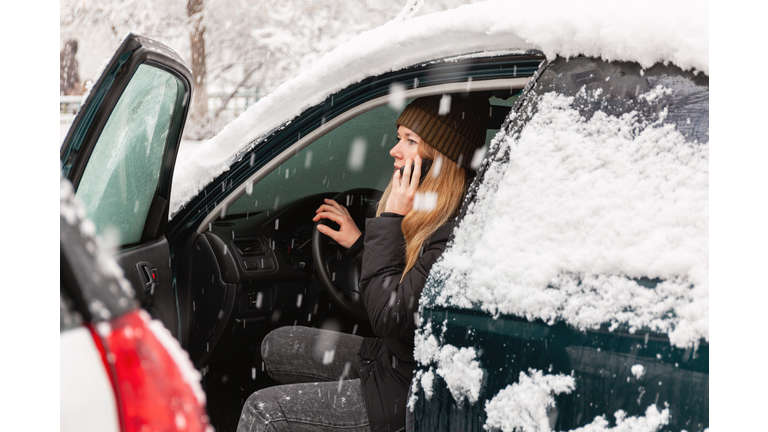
[{"x": 497, "y": 84}]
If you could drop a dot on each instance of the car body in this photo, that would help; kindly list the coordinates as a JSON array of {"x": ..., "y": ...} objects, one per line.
[{"x": 231, "y": 253}]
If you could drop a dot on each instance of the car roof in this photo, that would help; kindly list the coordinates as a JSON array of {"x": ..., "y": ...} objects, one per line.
[{"x": 679, "y": 35}]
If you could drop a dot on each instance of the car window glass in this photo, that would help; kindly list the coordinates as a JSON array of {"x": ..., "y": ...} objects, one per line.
[
  {"x": 490, "y": 133},
  {"x": 120, "y": 180},
  {"x": 355, "y": 154}
]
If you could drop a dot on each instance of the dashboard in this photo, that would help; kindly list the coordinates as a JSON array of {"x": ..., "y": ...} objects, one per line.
[{"x": 252, "y": 272}]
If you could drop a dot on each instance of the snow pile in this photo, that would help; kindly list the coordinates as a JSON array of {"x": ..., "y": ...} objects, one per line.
[
  {"x": 523, "y": 406},
  {"x": 426, "y": 347},
  {"x": 583, "y": 211},
  {"x": 680, "y": 35},
  {"x": 461, "y": 372},
  {"x": 457, "y": 366},
  {"x": 651, "y": 422},
  {"x": 424, "y": 380}
]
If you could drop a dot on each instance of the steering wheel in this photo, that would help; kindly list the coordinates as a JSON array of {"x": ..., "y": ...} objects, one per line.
[{"x": 337, "y": 272}]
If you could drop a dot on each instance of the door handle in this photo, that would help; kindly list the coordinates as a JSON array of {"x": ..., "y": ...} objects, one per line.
[{"x": 148, "y": 276}]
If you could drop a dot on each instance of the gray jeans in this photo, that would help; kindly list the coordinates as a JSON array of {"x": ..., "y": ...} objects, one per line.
[{"x": 322, "y": 391}]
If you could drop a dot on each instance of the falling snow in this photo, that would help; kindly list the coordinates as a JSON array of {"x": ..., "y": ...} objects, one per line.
[
  {"x": 445, "y": 105},
  {"x": 477, "y": 157},
  {"x": 328, "y": 356},
  {"x": 425, "y": 201},
  {"x": 397, "y": 96},
  {"x": 356, "y": 160}
]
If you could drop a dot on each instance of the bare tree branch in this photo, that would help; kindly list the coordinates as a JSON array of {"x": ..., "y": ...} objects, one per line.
[{"x": 237, "y": 88}]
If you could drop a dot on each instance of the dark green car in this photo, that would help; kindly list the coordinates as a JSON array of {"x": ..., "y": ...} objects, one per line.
[{"x": 241, "y": 257}]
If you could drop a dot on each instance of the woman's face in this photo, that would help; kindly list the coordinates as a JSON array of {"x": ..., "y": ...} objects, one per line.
[{"x": 407, "y": 146}]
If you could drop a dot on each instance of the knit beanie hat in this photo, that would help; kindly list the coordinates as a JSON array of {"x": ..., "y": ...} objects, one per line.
[{"x": 458, "y": 131}]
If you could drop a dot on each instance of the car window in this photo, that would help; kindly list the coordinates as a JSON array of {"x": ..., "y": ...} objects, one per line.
[
  {"x": 491, "y": 132},
  {"x": 354, "y": 155},
  {"x": 592, "y": 168},
  {"x": 121, "y": 177}
]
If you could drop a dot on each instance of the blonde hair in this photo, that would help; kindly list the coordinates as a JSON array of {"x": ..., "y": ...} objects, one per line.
[{"x": 418, "y": 225}]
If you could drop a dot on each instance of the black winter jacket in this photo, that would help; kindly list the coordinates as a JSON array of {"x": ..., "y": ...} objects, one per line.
[{"x": 387, "y": 361}]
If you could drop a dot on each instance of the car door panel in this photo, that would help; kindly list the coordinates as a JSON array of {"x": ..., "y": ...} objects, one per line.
[
  {"x": 120, "y": 153},
  {"x": 148, "y": 268}
]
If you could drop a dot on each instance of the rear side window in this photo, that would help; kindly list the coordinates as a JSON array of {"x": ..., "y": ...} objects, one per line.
[
  {"x": 122, "y": 174},
  {"x": 593, "y": 205}
]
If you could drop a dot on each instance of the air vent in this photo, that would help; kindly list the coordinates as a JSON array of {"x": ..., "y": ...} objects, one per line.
[{"x": 249, "y": 247}]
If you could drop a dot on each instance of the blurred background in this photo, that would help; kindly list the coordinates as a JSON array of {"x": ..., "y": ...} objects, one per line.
[{"x": 238, "y": 50}]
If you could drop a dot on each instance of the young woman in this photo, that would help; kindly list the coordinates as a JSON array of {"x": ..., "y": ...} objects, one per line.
[{"x": 343, "y": 381}]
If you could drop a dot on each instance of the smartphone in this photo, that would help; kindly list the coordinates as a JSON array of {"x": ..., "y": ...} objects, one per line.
[{"x": 426, "y": 164}]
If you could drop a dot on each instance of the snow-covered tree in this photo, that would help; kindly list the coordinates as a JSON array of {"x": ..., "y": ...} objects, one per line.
[{"x": 237, "y": 44}]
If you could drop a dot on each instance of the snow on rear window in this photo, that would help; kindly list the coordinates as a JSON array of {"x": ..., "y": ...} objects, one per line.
[{"x": 582, "y": 218}]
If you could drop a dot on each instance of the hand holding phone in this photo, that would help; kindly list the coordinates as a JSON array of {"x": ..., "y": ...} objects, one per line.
[
  {"x": 403, "y": 191},
  {"x": 426, "y": 164}
]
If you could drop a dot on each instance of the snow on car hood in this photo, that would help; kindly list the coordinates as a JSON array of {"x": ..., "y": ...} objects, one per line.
[{"x": 676, "y": 32}]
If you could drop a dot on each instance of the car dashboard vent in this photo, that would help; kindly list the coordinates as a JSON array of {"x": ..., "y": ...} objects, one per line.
[{"x": 250, "y": 247}]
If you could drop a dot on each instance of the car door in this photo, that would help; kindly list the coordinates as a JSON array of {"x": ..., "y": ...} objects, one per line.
[{"x": 119, "y": 155}]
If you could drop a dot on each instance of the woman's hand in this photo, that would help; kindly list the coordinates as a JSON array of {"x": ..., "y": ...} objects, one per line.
[
  {"x": 348, "y": 232},
  {"x": 400, "y": 199}
]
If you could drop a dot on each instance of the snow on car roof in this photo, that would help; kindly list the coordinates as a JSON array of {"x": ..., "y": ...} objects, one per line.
[{"x": 669, "y": 32}]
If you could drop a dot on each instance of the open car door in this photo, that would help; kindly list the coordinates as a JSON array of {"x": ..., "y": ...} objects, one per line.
[{"x": 119, "y": 154}]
